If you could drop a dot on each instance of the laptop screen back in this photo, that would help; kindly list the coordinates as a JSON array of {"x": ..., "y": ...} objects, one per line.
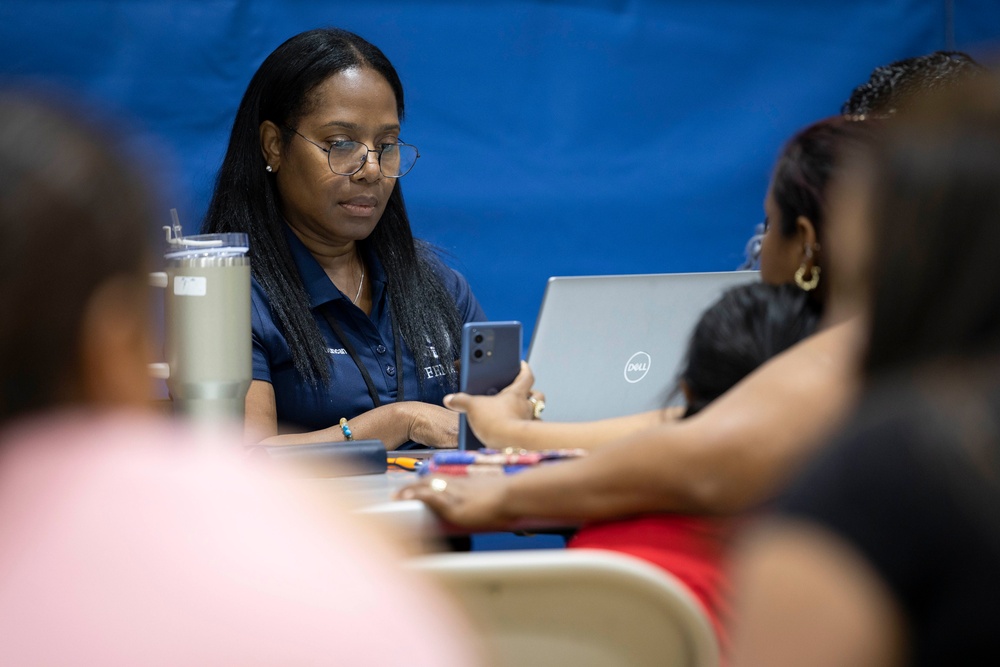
[{"x": 607, "y": 346}]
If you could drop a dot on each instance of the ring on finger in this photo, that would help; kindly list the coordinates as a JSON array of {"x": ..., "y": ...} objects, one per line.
[
  {"x": 537, "y": 407},
  {"x": 438, "y": 485}
]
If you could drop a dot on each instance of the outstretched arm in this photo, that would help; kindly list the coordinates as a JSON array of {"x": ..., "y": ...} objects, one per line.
[
  {"x": 501, "y": 421},
  {"x": 730, "y": 456}
]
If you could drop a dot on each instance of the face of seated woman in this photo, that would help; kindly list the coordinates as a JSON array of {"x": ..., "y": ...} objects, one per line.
[
  {"x": 782, "y": 254},
  {"x": 323, "y": 208},
  {"x": 798, "y": 199}
]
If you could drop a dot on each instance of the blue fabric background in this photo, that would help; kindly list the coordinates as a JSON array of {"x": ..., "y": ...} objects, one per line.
[{"x": 558, "y": 138}]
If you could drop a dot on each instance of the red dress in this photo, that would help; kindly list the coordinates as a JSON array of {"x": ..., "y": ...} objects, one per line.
[{"x": 692, "y": 548}]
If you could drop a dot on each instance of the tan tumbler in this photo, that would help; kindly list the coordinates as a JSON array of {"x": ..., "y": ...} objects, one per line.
[{"x": 207, "y": 337}]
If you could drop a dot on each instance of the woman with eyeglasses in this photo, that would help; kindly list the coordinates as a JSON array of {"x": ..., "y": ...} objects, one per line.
[{"x": 356, "y": 324}]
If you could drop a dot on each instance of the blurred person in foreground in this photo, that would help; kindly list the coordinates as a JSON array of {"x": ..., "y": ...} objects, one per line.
[
  {"x": 886, "y": 550},
  {"x": 128, "y": 539}
]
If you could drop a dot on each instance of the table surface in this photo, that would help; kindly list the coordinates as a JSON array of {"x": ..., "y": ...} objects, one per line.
[{"x": 372, "y": 496}]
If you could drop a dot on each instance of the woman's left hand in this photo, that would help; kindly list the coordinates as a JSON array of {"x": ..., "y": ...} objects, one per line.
[
  {"x": 431, "y": 425},
  {"x": 476, "y": 503}
]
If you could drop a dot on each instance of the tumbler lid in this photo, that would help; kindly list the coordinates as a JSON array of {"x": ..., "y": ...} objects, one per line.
[
  {"x": 207, "y": 245},
  {"x": 232, "y": 244}
]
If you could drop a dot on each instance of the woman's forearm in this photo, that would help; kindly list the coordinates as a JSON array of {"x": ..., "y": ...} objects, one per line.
[
  {"x": 732, "y": 455},
  {"x": 536, "y": 434},
  {"x": 642, "y": 473},
  {"x": 393, "y": 424},
  {"x": 388, "y": 423}
]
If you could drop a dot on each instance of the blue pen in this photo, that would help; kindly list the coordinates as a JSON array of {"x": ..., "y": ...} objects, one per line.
[{"x": 454, "y": 458}]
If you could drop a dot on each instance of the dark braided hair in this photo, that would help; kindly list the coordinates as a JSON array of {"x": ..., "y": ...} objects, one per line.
[
  {"x": 890, "y": 86},
  {"x": 246, "y": 200}
]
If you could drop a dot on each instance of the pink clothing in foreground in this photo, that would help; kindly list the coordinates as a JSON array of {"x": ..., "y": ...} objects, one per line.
[{"x": 125, "y": 542}]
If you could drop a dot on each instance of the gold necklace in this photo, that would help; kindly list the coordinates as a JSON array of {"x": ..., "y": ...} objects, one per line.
[{"x": 360, "y": 285}]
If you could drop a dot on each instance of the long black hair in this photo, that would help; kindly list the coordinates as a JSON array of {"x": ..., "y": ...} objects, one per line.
[
  {"x": 246, "y": 200},
  {"x": 747, "y": 326}
]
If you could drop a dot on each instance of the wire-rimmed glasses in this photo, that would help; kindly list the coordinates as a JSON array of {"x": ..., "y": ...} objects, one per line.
[{"x": 347, "y": 158}]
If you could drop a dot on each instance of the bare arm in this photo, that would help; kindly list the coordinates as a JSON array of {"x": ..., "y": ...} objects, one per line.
[
  {"x": 393, "y": 424},
  {"x": 730, "y": 456},
  {"x": 584, "y": 435},
  {"x": 502, "y": 421},
  {"x": 807, "y": 598}
]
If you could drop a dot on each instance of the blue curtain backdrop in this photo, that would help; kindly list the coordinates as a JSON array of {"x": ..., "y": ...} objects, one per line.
[{"x": 557, "y": 138}]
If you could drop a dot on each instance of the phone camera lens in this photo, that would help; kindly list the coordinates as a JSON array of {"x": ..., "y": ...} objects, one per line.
[
  {"x": 478, "y": 354},
  {"x": 478, "y": 338}
]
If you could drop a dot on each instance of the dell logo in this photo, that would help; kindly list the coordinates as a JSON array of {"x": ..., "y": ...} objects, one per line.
[{"x": 637, "y": 367}]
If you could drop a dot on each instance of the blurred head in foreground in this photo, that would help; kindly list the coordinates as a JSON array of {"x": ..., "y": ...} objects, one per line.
[
  {"x": 74, "y": 246},
  {"x": 917, "y": 228},
  {"x": 844, "y": 574}
]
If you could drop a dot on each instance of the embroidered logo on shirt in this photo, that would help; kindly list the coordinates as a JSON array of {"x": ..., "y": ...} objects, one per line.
[
  {"x": 338, "y": 350},
  {"x": 435, "y": 371}
]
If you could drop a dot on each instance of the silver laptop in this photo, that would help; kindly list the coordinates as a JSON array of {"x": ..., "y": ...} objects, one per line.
[{"x": 606, "y": 346}]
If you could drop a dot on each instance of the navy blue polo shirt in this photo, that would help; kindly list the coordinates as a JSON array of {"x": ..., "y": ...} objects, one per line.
[{"x": 303, "y": 406}]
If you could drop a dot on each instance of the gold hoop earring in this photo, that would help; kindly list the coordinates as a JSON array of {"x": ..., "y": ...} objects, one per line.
[{"x": 800, "y": 278}]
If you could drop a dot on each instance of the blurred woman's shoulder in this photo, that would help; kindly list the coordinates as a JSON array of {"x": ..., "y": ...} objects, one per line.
[{"x": 192, "y": 556}]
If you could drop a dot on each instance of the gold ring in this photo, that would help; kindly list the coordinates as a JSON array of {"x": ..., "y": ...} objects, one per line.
[
  {"x": 537, "y": 407},
  {"x": 438, "y": 485}
]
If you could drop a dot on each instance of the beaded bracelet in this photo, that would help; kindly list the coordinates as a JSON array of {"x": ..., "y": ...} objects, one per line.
[{"x": 346, "y": 429}]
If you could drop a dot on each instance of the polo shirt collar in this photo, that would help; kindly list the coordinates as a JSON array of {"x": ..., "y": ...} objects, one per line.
[{"x": 317, "y": 284}]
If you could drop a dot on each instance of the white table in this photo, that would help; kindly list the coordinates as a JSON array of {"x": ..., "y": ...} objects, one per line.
[{"x": 372, "y": 496}]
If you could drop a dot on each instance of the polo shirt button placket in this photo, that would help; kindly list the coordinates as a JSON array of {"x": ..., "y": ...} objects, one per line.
[
  {"x": 391, "y": 370},
  {"x": 380, "y": 349}
]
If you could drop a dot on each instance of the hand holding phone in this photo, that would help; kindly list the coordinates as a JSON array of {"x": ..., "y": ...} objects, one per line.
[{"x": 491, "y": 359}]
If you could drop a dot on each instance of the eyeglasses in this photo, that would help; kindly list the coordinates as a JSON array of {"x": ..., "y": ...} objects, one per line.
[
  {"x": 347, "y": 158},
  {"x": 753, "y": 247}
]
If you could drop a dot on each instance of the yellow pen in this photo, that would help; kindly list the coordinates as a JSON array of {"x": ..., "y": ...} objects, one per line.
[{"x": 404, "y": 462}]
